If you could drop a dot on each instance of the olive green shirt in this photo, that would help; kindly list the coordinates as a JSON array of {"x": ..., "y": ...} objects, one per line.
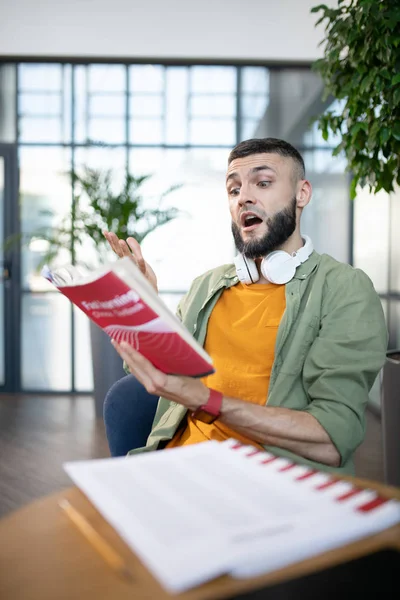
[{"x": 330, "y": 346}]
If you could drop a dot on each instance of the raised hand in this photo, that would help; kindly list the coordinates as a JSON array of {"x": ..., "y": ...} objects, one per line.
[{"x": 131, "y": 248}]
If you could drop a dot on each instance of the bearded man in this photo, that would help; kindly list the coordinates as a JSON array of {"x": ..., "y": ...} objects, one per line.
[{"x": 297, "y": 338}]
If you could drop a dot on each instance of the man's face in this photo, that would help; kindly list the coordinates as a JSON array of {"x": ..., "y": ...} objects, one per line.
[{"x": 262, "y": 202}]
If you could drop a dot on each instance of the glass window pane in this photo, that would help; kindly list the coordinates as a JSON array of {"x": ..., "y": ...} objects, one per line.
[
  {"x": 202, "y": 173},
  {"x": 248, "y": 128},
  {"x": 213, "y": 79},
  {"x": 395, "y": 241},
  {"x": 109, "y": 105},
  {"x": 255, "y": 80},
  {"x": 81, "y": 103},
  {"x": 108, "y": 131},
  {"x": 43, "y": 77},
  {"x": 90, "y": 106},
  {"x": 313, "y": 137},
  {"x": 145, "y": 160},
  {"x": 253, "y": 106},
  {"x": 322, "y": 161},
  {"x": 67, "y": 103},
  {"x": 83, "y": 353},
  {"x": 45, "y": 193},
  {"x": 46, "y": 105},
  {"x": 213, "y": 106},
  {"x": 146, "y": 105},
  {"x": 146, "y": 131},
  {"x": 102, "y": 160},
  {"x": 371, "y": 236},
  {"x": 216, "y": 132},
  {"x": 40, "y": 130},
  {"x": 329, "y": 209},
  {"x": 294, "y": 96},
  {"x": 176, "y": 118},
  {"x": 171, "y": 300},
  {"x": 107, "y": 78},
  {"x": 146, "y": 78},
  {"x": 46, "y": 342}
]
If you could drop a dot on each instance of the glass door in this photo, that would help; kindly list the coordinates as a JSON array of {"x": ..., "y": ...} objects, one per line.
[{"x": 9, "y": 269}]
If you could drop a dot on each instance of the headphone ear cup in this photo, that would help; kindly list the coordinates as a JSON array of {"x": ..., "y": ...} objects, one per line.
[
  {"x": 246, "y": 269},
  {"x": 278, "y": 267}
]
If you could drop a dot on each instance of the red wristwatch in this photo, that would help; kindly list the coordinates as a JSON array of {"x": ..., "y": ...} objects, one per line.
[{"x": 210, "y": 411}]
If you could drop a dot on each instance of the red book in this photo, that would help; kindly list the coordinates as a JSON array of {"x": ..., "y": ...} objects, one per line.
[{"x": 120, "y": 300}]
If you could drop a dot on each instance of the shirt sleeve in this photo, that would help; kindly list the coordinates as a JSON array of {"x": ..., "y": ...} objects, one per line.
[{"x": 345, "y": 359}]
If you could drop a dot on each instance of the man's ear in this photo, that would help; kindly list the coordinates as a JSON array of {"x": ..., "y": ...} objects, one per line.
[{"x": 304, "y": 193}]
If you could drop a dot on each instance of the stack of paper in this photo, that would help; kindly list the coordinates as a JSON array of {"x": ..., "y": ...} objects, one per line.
[{"x": 196, "y": 512}]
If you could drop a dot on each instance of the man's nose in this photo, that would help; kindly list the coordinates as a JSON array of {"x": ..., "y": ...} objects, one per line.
[{"x": 245, "y": 196}]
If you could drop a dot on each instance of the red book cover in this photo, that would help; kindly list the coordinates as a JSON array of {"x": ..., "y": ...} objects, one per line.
[{"x": 123, "y": 313}]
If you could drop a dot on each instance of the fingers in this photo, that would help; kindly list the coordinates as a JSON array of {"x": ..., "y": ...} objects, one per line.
[
  {"x": 124, "y": 248},
  {"x": 152, "y": 379},
  {"x": 113, "y": 240},
  {"x": 132, "y": 362},
  {"x": 137, "y": 253},
  {"x": 130, "y": 247}
]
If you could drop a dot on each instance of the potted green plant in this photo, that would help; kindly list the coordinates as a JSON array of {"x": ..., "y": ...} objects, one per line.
[
  {"x": 360, "y": 67},
  {"x": 99, "y": 205}
]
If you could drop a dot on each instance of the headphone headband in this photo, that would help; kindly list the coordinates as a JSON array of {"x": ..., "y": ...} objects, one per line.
[{"x": 303, "y": 253}]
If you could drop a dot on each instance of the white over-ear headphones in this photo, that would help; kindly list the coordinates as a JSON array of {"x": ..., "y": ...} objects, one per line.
[{"x": 278, "y": 267}]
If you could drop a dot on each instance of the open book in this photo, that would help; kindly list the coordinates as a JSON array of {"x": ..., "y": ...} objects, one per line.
[{"x": 120, "y": 300}]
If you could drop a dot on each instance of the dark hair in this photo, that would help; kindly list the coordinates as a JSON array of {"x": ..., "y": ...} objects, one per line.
[{"x": 269, "y": 146}]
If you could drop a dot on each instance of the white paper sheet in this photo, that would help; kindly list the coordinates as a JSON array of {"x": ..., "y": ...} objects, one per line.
[{"x": 199, "y": 511}]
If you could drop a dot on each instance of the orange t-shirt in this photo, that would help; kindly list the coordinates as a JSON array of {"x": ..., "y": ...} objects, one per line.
[{"x": 240, "y": 339}]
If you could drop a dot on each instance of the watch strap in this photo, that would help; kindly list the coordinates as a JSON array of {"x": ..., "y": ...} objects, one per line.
[{"x": 212, "y": 407}]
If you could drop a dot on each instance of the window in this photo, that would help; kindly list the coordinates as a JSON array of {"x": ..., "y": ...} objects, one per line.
[{"x": 177, "y": 123}]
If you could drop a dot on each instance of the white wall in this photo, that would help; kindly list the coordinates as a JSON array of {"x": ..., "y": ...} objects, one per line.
[{"x": 272, "y": 30}]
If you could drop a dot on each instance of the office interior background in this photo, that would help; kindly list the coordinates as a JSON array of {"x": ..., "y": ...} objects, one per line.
[{"x": 167, "y": 89}]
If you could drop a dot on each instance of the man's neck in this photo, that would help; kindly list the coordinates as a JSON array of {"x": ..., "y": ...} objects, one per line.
[{"x": 294, "y": 243}]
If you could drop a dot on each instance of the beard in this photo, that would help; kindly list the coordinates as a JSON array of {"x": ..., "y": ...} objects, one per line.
[{"x": 280, "y": 228}]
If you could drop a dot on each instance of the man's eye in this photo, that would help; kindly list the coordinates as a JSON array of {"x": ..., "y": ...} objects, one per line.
[
  {"x": 264, "y": 183},
  {"x": 234, "y": 192}
]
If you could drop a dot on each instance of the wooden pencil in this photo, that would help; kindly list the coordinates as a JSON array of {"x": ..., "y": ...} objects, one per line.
[{"x": 105, "y": 550}]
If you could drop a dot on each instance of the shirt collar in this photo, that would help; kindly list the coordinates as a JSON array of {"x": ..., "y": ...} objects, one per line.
[{"x": 307, "y": 267}]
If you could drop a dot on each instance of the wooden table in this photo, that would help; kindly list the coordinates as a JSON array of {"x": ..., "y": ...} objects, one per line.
[{"x": 44, "y": 557}]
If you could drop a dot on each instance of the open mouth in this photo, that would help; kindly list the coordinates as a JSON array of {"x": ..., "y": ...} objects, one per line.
[{"x": 250, "y": 221}]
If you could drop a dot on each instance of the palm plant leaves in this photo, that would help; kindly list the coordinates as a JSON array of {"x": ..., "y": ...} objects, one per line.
[{"x": 97, "y": 206}]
